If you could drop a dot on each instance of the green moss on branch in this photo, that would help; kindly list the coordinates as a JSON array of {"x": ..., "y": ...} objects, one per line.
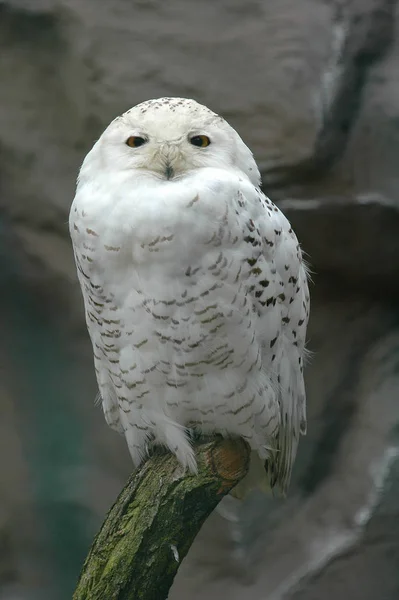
[{"x": 154, "y": 521}]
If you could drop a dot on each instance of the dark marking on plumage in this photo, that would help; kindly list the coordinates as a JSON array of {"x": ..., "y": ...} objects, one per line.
[
  {"x": 238, "y": 274},
  {"x": 240, "y": 424},
  {"x": 215, "y": 264},
  {"x": 212, "y": 238},
  {"x": 193, "y": 201},
  {"x": 215, "y": 329},
  {"x": 83, "y": 273},
  {"x": 203, "y": 311},
  {"x": 162, "y": 317},
  {"x": 241, "y": 408},
  {"x": 132, "y": 386},
  {"x": 150, "y": 369},
  {"x": 140, "y": 344},
  {"x": 96, "y": 303},
  {"x": 215, "y": 316},
  {"x": 250, "y": 240}
]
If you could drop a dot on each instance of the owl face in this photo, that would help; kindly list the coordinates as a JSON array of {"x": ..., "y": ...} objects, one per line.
[{"x": 167, "y": 139}]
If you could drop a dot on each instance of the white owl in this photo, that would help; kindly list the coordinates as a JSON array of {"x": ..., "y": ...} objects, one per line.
[{"x": 194, "y": 287}]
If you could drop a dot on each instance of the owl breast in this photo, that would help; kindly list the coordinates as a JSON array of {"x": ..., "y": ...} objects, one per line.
[{"x": 184, "y": 307}]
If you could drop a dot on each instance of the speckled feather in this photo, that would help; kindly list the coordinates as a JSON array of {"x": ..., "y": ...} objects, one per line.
[{"x": 194, "y": 287}]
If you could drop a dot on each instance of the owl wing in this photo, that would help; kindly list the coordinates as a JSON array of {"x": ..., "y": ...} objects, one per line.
[
  {"x": 100, "y": 312},
  {"x": 284, "y": 310}
]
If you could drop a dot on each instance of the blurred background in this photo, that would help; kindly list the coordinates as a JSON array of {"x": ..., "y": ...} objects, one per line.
[{"x": 313, "y": 88}]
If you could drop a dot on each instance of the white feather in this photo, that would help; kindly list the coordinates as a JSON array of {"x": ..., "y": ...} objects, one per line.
[{"x": 194, "y": 287}]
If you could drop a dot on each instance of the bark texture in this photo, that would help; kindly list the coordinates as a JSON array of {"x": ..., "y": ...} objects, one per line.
[{"x": 154, "y": 521}]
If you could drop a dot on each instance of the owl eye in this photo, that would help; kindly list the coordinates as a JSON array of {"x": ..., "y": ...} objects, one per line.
[
  {"x": 134, "y": 141},
  {"x": 202, "y": 141}
]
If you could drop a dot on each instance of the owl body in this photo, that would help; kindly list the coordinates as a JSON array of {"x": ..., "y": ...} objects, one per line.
[{"x": 196, "y": 301}]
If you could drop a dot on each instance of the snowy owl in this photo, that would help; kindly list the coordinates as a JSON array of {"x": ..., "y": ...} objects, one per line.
[{"x": 194, "y": 287}]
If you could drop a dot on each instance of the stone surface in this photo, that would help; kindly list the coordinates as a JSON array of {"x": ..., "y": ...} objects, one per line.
[{"x": 313, "y": 89}]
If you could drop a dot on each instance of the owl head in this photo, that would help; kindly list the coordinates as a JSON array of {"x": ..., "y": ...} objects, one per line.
[{"x": 168, "y": 138}]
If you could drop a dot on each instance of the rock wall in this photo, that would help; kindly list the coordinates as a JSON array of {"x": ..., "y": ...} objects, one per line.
[{"x": 313, "y": 88}]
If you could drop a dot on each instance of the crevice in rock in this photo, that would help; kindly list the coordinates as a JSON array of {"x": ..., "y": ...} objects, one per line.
[{"x": 368, "y": 35}]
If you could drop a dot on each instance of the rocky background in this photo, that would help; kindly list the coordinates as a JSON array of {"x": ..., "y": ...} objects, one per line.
[{"x": 313, "y": 87}]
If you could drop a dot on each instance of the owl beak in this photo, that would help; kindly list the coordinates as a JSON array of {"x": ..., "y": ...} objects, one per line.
[
  {"x": 169, "y": 172},
  {"x": 169, "y": 154}
]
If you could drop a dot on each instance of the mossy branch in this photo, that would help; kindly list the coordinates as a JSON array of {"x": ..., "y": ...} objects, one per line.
[{"x": 154, "y": 521}]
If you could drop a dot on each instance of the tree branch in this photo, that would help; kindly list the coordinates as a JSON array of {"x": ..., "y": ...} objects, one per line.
[{"x": 154, "y": 521}]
